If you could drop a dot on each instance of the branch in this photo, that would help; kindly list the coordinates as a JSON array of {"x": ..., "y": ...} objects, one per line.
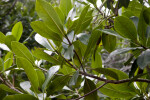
[{"x": 90, "y": 92}]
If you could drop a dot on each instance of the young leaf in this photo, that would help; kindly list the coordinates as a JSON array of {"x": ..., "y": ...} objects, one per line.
[
  {"x": 2, "y": 37},
  {"x": 88, "y": 87},
  {"x": 49, "y": 75},
  {"x": 30, "y": 71},
  {"x": 39, "y": 53},
  {"x": 43, "y": 29},
  {"x": 20, "y": 97},
  {"x": 65, "y": 6},
  {"x": 9, "y": 39},
  {"x": 49, "y": 16},
  {"x": 57, "y": 84},
  {"x": 81, "y": 19},
  {"x": 92, "y": 42},
  {"x": 17, "y": 31},
  {"x": 144, "y": 59},
  {"x": 8, "y": 60},
  {"x": 22, "y": 51},
  {"x": 125, "y": 27}
]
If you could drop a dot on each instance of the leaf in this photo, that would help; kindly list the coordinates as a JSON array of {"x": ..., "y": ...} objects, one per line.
[
  {"x": 107, "y": 72},
  {"x": 112, "y": 92},
  {"x": 110, "y": 32},
  {"x": 60, "y": 13},
  {"x": 144, "y": 59},
  {"x": 69, "y": 52},
  {"x": 135, "y": 21},
  {"x": 8, "y": 60},
  {"x": 133, "y": 68},
  {"x": 43, "y": 29},
  {"x": 43, "y": 41},
  {"x": 7, "y": 89},
  {"x": 124, "y": 3},
  {"x": 20, "y": 97},
  {"x": 49, "y": 75},
  {"x": 81, "y": 19},
  {"x": 66, "y": 70},
  {"x": 41, "y": 77},
  {"x": 17, "y": 31},
  {"x": 125, "y": 27},
  {"x": 39, "y": 53},
  {"x": 65, "y": 6},
  {"x": 49, "y": 16},
  {"x": 88, "y": 87},
  {"x": 109, "y": 42},
  {"x": 2, "y": 37},
  {"x": 92, "y": 42},
  {"x": 123, "y": 50},
  {"x": 1, "y": 65},
  {"x": 146, "y": 15},
  {"x": 57, "y": 84},
  {"x": 22, "y": 51},
  {"x": 30, "y": 71},
  {"x": 142, "y": 26},
  {"x": 9, "y": 39},
  {"x": 74, "y": 78},
  {"x": 92, "y": 1}
]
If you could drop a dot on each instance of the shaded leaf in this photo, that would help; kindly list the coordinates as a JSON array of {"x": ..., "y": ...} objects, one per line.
[
  {"x": 74, "y": 78},
  {"x": 7, "y": 89},
  {"x": 146, "y": 15},
  {"x": 69, "y": 52},
  {"x": 133, "y": 68},
  {"x": 124, "y": 3}
]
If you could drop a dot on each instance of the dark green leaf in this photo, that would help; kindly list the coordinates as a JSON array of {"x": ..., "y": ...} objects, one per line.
[
  {"x": 88, "y": 87},
  {"x": 124, "y": 3},
  {"x": 17, "y": 31},
  {"x": 133, "y": 68},
  {"x": 49, "y": 75},
  {"x": 7, "y": 89},
  {"x": 22, "y": 51},
  {"x": 20, "y": 97},
  {"x": 125, "y": 27},
  {"x": 30, "y": 71},
  {"x": 146, "y": 15}
]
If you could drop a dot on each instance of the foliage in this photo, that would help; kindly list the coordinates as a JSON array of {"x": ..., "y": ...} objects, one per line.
[{"x": 68, "y": 63}]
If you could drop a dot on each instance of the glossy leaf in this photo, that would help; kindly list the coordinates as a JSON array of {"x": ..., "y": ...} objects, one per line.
[
  {"x": 2, "y": 37},
  {"x": 30, "y": 71},
  {"x": 81, "y": 19},
  {"x": 109, "y": 42},
  {"x": 88, "y": 87},
  {"x": 107, "y": 72},
  {"x": 43, "y": 29},
  {"x": 17, "y": 31},
  {"x": 8, "y": 60},
  {"x": 125, "y": 27},
  {"x": 92, "y": 42},
  {"x": 65, "y": 6},
  {"x": 22, "y": 51},
  {"x": 7, "y": 89},
  {"x": 58, "y": 83},
  {"x": 39, "y": 53},
  {"x": 20, "y": 97},
  {"x": 49, "y": 75},
  {"x": 144, "y": 59},
  {"x": 49, "y": 16}
]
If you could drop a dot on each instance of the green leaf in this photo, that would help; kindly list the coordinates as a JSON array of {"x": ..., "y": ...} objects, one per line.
[
  {"x": 1, "y": 64},
  {"x": 133, "y": 68},
  {"x": 69, "y": 52},
  {"x": 30, "y": 71},
  {"x": 88, "y": 87},
  {"x": 41, "y": 77},
  {"x": 22, "y": 51},
  {"x": 60, "y": 13},
  {"x": 17, "y": 31},
  {"x": 111, "y": 32},
  {"x": 112, "y": 92},
  {"x": 124, "y": 3},
  {"x": 92, "y": 1},
  {"x": 49, "y": 75},
  {"x": 109, "y": 42},
  {"x": 43, "y": 29},
  {"x": 20, "y": 97},
  {"x": 92, "y": 42},
  {"x": 135, "y": 21},
  {"x": 8, "y": 60},
  {"x": 7, "y": 89},
  {"x": 81, "y": 19},
  {"x": 65, "y": 6},
  {"x": 144, "y": 59},
  {"x": 107, "y": 72},
  {"x": 49, "y": 16},
  {"x": 57, "y": 84},
  {"x": 66, "y": 70},
  {"x": 146, "y": 15},
  {"x": 125, "y": 27},
  {"x": 39, "y": 53},
  {"x": 9, "y": 39},
  {"x": 2, "y": 37},
  {"x": 74, "y": 78},
  {"x": 142, "y": 26}
]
